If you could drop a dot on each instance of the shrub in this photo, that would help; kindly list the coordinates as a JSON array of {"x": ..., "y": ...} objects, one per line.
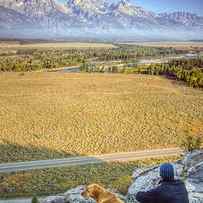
[
  {"x": 35, "y": 199},
  {"x": 190, "y": 142},
  {"x": 122, "y": 184}
]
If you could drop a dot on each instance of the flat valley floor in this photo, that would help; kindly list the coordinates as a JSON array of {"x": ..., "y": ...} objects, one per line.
[{"x": 53, "y": 115}]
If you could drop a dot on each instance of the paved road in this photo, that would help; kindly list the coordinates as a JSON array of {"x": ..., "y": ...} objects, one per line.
[{"x": 73, "y": 161}]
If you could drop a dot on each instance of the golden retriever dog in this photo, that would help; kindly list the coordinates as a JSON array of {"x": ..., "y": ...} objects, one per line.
[{"x": 100, "y": 194}]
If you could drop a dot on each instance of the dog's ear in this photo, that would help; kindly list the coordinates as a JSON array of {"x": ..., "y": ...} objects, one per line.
[{"x": 94, "y": 191}]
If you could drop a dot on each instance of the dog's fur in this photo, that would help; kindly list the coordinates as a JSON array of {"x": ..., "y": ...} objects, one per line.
[{"x": 100, "y": 194}]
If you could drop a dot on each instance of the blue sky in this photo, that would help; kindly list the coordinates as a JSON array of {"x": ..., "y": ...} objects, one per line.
[{"x": 194, "y": 6}]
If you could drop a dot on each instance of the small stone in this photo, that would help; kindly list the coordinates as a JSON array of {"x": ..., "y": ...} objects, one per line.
[{"x": 54, "y": 199}]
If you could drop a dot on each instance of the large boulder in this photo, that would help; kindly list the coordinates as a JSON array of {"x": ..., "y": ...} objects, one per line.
[{"x": 190, "y": 170}]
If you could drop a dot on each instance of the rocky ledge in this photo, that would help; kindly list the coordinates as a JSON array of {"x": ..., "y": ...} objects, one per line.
[{"x": 189, "y": 169}]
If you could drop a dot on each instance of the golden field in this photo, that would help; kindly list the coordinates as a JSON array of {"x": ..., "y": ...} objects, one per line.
[
  {"x": 51, "y": 115},
  {"x": 55, "y": 45}
]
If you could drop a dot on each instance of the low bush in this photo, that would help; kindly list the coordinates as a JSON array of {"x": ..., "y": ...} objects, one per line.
[{"x": 191, "y": 142}]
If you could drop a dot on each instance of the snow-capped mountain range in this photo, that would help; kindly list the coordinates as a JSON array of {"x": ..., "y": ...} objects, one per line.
[{"x": 21, "y": 16}]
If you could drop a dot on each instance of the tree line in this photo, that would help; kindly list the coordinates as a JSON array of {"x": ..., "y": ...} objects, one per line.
[
  {"x": 187, "y": 70},
  {"x": 36, "y": 59}
]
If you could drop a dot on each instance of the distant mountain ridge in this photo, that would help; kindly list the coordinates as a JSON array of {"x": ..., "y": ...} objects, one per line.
[{"x": 91, "y": 14}]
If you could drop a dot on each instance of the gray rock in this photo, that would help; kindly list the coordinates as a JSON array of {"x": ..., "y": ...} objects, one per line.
[
  {"x": 120, "y": 196},
  {"x": 192, "y": 159},
  {"x": 131, "y": 199},
  {"x": 54, "y": 199},
  {"x": 196, "y": 173},
  {"x": 147, "y": 180},
  {"x": 194, "y": 183},
  {"x": 190, "y": 169}
]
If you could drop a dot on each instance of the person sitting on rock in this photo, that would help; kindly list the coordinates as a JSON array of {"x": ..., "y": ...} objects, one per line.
[{"x": 169, "y": 190}]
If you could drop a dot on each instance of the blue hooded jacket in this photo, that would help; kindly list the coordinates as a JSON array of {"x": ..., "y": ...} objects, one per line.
[{"x": 167, "y": 192}]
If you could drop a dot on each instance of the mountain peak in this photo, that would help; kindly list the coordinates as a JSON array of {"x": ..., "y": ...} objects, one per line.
[
  {"x": 94, "y": 14},
  {"x": 87, "y": 6},
  {"x": 125, "y": 7},
  {"x": 30, "y": 8},
  {"x": 124, "y": 2},
  {"x": 183, "y": 18}
]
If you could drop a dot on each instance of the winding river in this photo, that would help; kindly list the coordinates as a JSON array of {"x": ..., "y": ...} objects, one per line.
[{"x": 141, "y": 61}]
